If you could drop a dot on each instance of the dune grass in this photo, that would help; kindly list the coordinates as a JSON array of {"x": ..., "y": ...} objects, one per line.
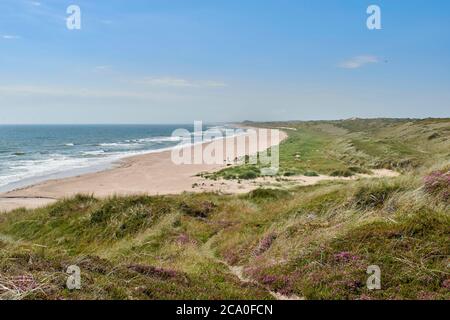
[
  {"x": 314, "y": 242},
  {"x": 345, "y": 148}
]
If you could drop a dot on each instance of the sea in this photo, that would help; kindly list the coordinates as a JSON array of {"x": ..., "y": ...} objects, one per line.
[{"x": 35, "y": 153}]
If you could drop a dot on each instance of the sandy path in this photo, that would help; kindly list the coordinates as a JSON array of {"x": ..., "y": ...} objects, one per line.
[
  {"x": 238, "y": 271},
  {"x": 151, "y": 174},
  {"x": 245, "y": 186}
]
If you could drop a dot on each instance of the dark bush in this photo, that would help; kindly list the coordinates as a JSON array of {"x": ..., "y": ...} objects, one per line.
[
  {"x": 311, "y": 174},
  {"x": 374, "y": 196},
  {"x": 249, "y": 175},
  {"x": 268, "y": 194},
  {"x": 154, "y": 271},
  {"x": 359, "y": 170},
  {"x": 342, "y": 173},
  {"x": 198, "y": 209}
]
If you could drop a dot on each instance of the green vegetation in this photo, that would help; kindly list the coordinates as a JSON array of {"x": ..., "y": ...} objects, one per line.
[
  {"x": 348, "y": 147},
  {"x": 314, "y": 242}
]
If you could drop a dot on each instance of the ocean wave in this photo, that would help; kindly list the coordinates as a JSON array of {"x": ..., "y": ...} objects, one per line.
[
  {"x": 120, "y": 145},
  {"x": 137, "y": 143},
  {"x": 93, "y": 153},
  {"x": 26, "y": 169},
  {"x": 108, "y": 144},
  {"x": 160, "y": 139},
  {"x": 35, "y": 165}
]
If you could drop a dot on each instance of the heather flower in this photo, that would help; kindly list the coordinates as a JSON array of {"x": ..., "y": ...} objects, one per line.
[
  {"x": 185, "y": 239},
  {"x": 446, "y": 284},
  {"x": 281, "y": 284},
  {"x": 25, "y": 283},
  {"x": 345, "y": 257},
  {"x": 269, "y": 279},
  {"x": 154, "y": 271},
  {"x": 423, "y": 295},
  {"x": 265, "y": 244},
  {"x": 437, "y": 183}
]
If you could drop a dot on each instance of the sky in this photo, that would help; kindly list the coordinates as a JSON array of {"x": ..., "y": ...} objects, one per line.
[{"x": 176, "y": 61}]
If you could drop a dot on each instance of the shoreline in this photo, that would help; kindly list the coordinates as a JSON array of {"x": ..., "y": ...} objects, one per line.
[
  {"x": 102, "y": 164},
  {"x": 151, "y": 173}
]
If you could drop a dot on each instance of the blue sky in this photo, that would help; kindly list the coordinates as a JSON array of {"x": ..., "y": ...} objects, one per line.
[{"x": 160, "y": 61}]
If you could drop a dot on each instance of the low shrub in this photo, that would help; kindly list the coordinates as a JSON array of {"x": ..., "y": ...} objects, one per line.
[
  {"x": 198, "y": 209},
  {"x": 341, "y": 173},
  {"x": 437, "y": 184},
  {"x": 154, "y": 271},
  {"x": 268, "y": 194},
  {"x": 77, "y": 204},
  {"x": 311, "y": 174},
  {"x": 265, "y": 244},
  {"x": 249, "y": 175},
  {"x": 374, "y": 195}
]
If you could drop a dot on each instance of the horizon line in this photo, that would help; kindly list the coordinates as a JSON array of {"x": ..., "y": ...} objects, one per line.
[{"x": 217, "y": 122}]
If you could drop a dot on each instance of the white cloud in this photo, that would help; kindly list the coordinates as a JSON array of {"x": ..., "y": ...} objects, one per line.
[
  {"x": 358, "y": 62},
  {"x": 210, "y": 83},
  {"x": 180, "y": 83},
  {"x": 105, "y": 68},
  {"x": 9, "y": 37},
  {"x": 64, "y": 92},
  {"x": 56, "y": 91},
  {"x": 42, "y": 9}
]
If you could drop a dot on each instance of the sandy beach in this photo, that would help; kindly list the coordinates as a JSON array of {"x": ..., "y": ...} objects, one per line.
[{"x": 152, "y": 174}]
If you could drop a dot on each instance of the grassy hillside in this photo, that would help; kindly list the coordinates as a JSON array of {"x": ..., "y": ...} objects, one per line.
[
  {"x": 348, "y": 147},
  {"x": 314, "y": 242}
]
